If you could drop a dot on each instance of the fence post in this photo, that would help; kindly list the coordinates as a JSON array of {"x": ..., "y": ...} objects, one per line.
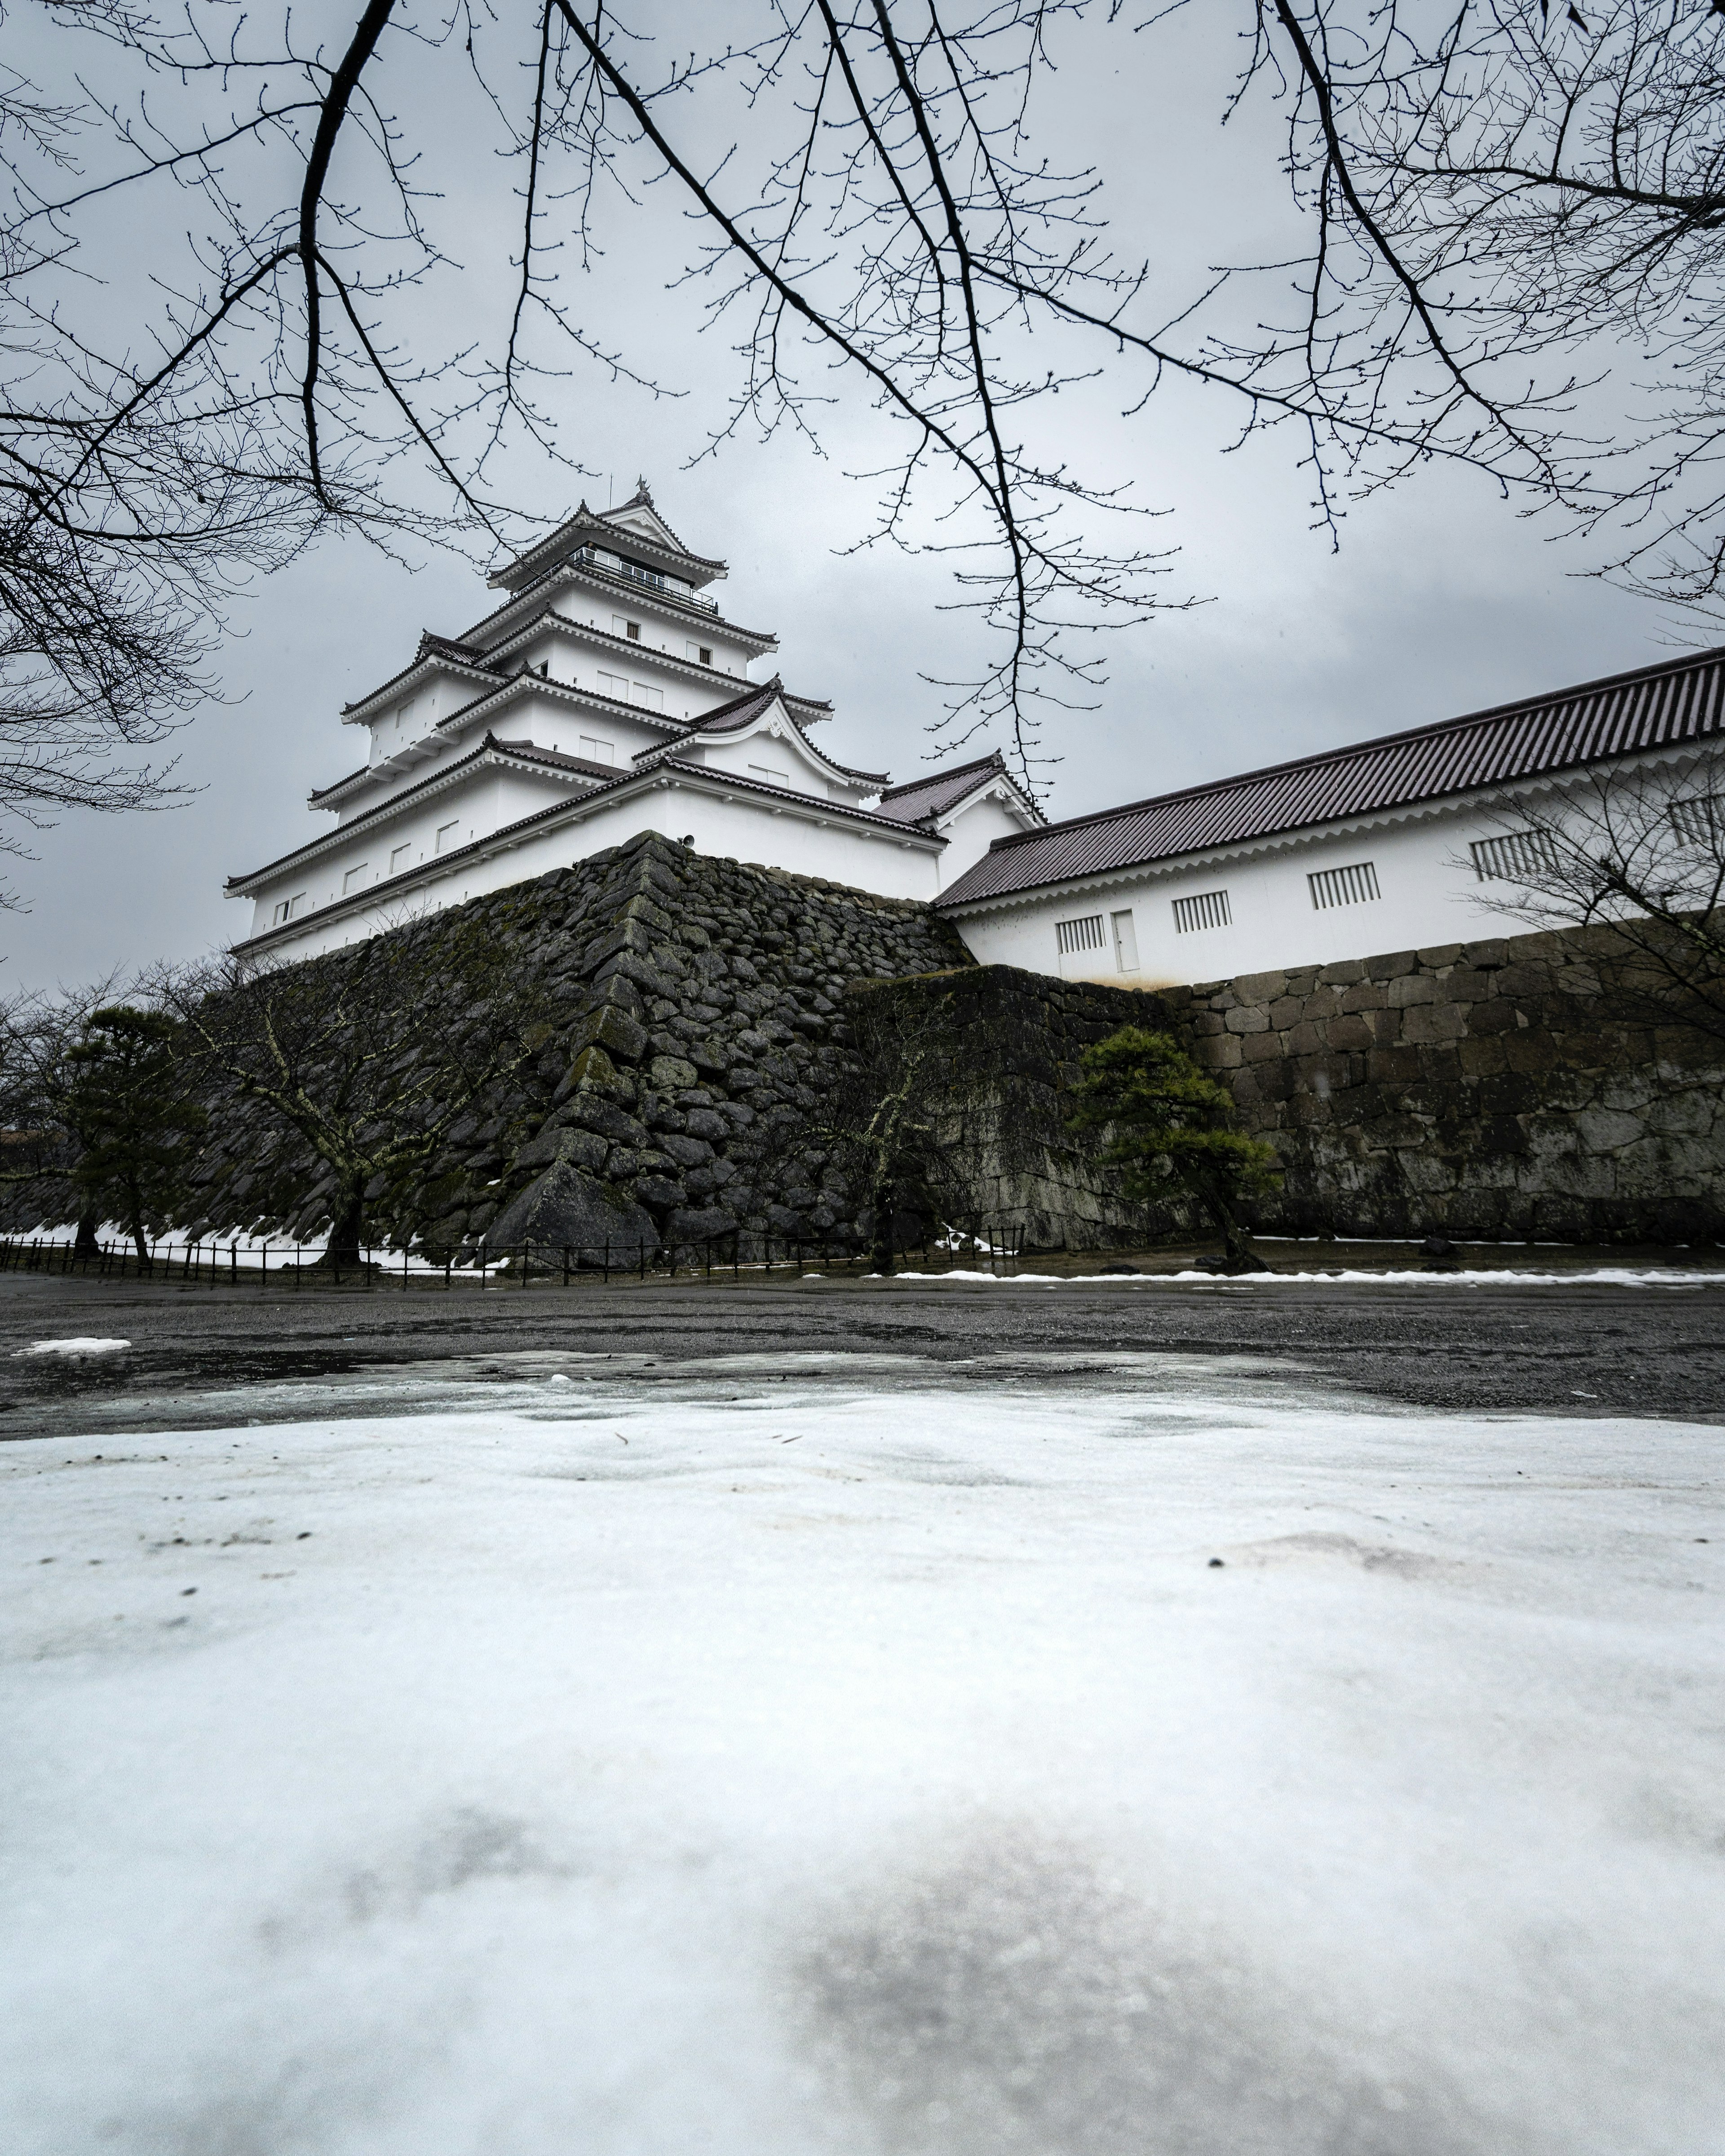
[
  {"x": 566, "y": 1264},
  {"x": 524, "y": 1248},
  {"x": 607, "y": 1261}
]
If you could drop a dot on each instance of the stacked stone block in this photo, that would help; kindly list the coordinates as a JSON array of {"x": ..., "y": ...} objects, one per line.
[{"x": 1518, "y": 1087}]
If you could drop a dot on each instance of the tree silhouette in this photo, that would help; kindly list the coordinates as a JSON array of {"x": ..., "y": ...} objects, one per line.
[
  {"x": 128, "y": 1104},
  {"x": 1165, "y": 1117}
]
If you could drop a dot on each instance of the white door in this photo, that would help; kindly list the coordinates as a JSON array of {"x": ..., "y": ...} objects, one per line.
[{"x": 1126, "y": 944}]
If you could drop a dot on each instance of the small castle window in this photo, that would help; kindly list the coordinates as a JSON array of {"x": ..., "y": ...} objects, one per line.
[
  {"x": 1084, "y": 934},
  {"x": 1514, "y": 857},
  {"x": 1698, "y": 819},
  {"x": 1354, "y": 885},
  {"x": 354, "y": 878},
  {"x": 446, "y": 836},
  {"x": 400, "y": 857},
  {"x": 1204, "y": 909}
]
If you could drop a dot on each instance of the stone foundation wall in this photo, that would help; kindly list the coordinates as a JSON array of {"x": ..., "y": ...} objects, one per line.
[
  {"x": 1025, "y": 1169},
  {"x": 1512, "y": 1088},
  {"x": 700, "y": 1014},
  {"x": 696, "y": 1009}
]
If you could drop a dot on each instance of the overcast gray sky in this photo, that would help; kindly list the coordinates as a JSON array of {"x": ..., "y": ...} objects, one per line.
[{"x": 1440, "y": 600}]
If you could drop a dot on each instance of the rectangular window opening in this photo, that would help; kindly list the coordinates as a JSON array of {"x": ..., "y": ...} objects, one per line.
[
  {"x": 1699, "y": 820},
  {"x": 1354, "y": 885},
  {"x": 1085, "y": 934},
  {"x": 772, "y": 777},
  {"x": 1204, "y": 909},
  {"x": 1513, "y": 858},
  {"x": 649, "y": 698},
  {"x": 446, "y": 836},
  {"x": 597, "y": 751},
  {"x": 400, "y": 858},
  {"x": 354, "y": 878}
]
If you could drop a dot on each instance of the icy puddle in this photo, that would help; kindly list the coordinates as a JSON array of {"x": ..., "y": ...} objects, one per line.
[{"x": 774, "y": 1768}]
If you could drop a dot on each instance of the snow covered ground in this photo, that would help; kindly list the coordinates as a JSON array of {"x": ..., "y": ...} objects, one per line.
[{"x": 777, "y": 1764}]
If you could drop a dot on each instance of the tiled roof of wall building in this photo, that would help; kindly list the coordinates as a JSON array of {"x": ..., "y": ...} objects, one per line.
[
  {"x": 918, "y": 799},
  {"x": 1678, "y": 701}
]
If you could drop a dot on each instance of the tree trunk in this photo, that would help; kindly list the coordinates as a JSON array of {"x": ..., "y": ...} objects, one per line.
[
  {"x": 1238, "y": 1255},
  {"x": 343, "y": 1248},
  {"x": 880, "y": 1256},
  {"x": 85, "y": 1246}
]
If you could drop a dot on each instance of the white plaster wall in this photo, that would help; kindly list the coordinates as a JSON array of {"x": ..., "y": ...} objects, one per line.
[
  {"x": 662, "y": 628},
  {"x": 1425, "y": 898},
  {"x": 843, "y": 853},
  {"x": 783, "y": 752},
  {"x": 493, "y": 799},
  {"x": 580, "y": 664},
  {"x": 971, "y": 833},
  {"x": 548, "y": 722}
]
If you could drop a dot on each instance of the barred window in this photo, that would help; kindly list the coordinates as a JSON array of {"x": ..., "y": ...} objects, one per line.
[
  {"x": 1514, "y": 858},
  {"x": 1085, "y": 934},
  {"x": 1699, "y": 820},
  {"x": 1350, "y": 886},
  {"x": 1206, "y": 909}
]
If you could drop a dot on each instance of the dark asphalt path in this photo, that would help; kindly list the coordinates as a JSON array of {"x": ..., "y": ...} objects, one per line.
[{"x": 203, "y": 1358}]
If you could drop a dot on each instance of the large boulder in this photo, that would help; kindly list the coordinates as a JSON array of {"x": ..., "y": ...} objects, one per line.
[{"x": 565, "y": 1208}]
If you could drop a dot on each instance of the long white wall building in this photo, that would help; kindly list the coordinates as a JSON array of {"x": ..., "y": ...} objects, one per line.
[
  {"x": 1397, "y": 844},
  {"x": 605, "y": 696}
]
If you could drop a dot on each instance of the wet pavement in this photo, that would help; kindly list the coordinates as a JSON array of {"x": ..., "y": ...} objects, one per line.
[{"x": 200, "y": 1357}]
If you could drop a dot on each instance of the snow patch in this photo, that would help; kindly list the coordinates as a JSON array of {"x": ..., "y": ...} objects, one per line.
[
  {"x": 1504, "y": 1276},
  {"x": 1203, "y": 1763},
  {"x": 81, "y": 1346}
]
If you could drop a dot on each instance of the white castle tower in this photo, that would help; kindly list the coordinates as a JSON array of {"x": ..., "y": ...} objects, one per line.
[{"x": 606, "y": 697}]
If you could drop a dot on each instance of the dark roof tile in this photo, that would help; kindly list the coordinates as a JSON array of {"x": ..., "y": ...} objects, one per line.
[{"x": 919, "y": 798}]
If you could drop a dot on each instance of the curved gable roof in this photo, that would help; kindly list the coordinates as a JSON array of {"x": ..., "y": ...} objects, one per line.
[{"x": 919, "y": 798}]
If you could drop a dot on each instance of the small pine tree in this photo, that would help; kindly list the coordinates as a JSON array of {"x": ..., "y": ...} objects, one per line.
[
  {"x": 1167, "y": 1117},
  {"x": 129, "y": 1106}
]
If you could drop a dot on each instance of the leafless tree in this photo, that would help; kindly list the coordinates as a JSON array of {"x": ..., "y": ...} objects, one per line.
[
  {"x": 1638, "y": 853},
  {"x": 1504, "y": 198},
  {"x": 370, "y": 1055},
  {"x": 1517, "y": 220}
]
